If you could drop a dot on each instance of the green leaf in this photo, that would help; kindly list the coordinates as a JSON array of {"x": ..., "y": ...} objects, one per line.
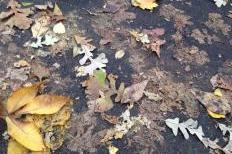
[
  {"x": 25, "y": 4},
  {"x": 100, "y": 76}
]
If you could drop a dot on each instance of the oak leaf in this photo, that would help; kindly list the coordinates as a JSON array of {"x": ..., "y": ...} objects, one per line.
[{"x": 17, "y": 16}]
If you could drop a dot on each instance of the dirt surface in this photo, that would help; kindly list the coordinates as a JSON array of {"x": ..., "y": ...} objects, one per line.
[{"x": 197, "y": 46}]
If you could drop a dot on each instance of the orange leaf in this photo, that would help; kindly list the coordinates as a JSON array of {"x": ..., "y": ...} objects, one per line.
[{"x": 44, "y": 104}]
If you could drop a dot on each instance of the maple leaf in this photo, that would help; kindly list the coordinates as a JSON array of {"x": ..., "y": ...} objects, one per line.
[
  {"x": 145, "y": 4},
  {"x": 17, "y": 16}
]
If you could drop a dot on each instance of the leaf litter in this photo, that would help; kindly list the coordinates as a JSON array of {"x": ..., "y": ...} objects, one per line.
[{"x": 46, "y": 117}]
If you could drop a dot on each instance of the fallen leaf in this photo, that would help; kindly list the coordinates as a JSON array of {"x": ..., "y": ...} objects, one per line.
[
  {"x": 221, "y": 81},
  {"x": 40, "y": 27},
  {"x": 95, "y": 84},
  {"x": 40, "y": 71},
  {"x": 15, "y": 148},
  {"x": 189, "y": 125},
  {"x": 140, "y": 37},
  {"x": 21, "y": 63},
  {"x": 59, "y": 28},
  {"x": 112, "y": 149},
  {"x": 44, "y": 104},
  {"x": 21, "y": 97},
  {"x": 57, "y": 11},
  {"x": 216, "y": 106},
  {"x": 134, "y": 93},
  {"x": 26, "y": 133},
  {"x": 119, "y": 54},
  {"x": 97, "y": 63},
  {"x": 111, "y": 119},
  {"x": 16, "y": 16},
  {"x": 217, "y": 92},
  {"x": 215, "y": 115},
  {"x": 220, "y": 3},
  {"x": 145, "y": 4},
  {"x": 25, "y": 4},
  {"x": 49, "y": 40}
]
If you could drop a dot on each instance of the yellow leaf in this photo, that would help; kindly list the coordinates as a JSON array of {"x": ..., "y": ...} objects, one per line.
[
  {"x": 215, "y": 115},
  {"x": 218, "y": 92},
  {"x": 15, "y": 148},
  {"x": 145, "y": 4},
  {"x": 26, "y": 133},
  {"x": 21, "y": 97},
  {"x": 57, "y": 11},
  {"x": 112, "y": 149},
  {"x": 44, "y": 104}
]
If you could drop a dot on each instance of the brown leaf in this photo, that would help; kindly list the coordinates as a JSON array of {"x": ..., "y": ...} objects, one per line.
[
  {"x": 111, "y": 119},
  {"x": 134, "y": 93},
  {"x": 44, "y": 104},
  {"x": 21, "y": 97},
  {"x": 26, "y": 133},
  {"x": 17, "y": 16},
  {"x": 222, "y": 81},
  {"x": 40, "y": 71}
]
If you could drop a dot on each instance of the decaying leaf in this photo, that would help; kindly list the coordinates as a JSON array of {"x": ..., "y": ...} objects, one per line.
[
  {"x": 111, "y": 119},
  {"x": 16, "y": 16},
  {"x": 26, "y": 133},
  {"x": 40, "y": 27},
  {"x": 126, "y": 124},
  {"x": 44, "y": 104},
  {"x": 15, "y": 148},
  {"x": 134, "y": 93},
  {"x": 21, "y": 97},
  {"x": 221, "y": 81},
  {"x": 216, "y": 106},
  {"x": 40, "y": 71},
  {"x": 145, "y": 4}
]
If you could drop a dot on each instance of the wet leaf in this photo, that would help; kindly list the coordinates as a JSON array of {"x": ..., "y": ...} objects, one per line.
[
  {"x": 44, "y": 104},
  {"x": 15, "y": 148},
  {"x": 26, "y": 133},
  {"x": 16, "y": 16},
  {"x": 134, "y": 93},
  {"x": 145, "y": 4},
  {"x": 21, "y": 97}
]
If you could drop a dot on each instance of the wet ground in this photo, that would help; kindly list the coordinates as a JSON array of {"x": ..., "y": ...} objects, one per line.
[{"x": 88, "y": 17}]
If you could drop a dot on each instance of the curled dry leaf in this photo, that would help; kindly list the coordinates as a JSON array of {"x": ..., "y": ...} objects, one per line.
[
  {"x": 15, "y": 148},
  {"x": 16, "y": 16},
  {"x": 21, "y": 97},
  {"x": 134, "y": 93},
  {"x": 26, "y": 133},
  {"x": 44, "y": 104}
]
